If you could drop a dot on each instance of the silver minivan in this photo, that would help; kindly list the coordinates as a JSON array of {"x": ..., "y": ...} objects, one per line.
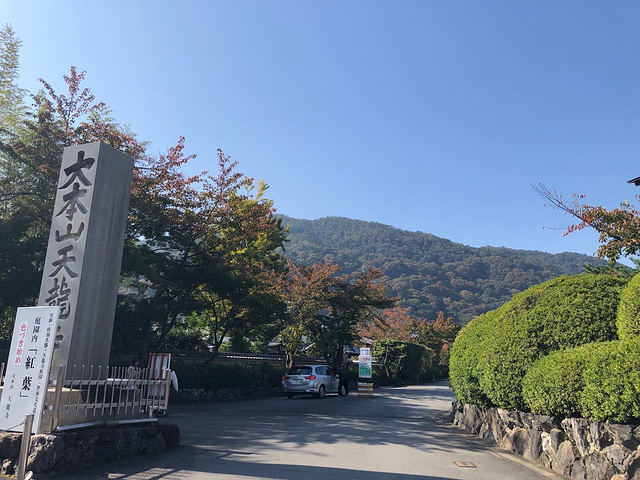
[{"x": 310, "y": 379}]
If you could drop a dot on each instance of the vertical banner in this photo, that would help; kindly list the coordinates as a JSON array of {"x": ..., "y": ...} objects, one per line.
[
  {"x": 25, "y": 382},
  {"x": 364, "y": 363}
]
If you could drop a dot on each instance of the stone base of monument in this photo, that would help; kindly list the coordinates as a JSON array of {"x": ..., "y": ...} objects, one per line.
[{"x": 67, "y": 452}]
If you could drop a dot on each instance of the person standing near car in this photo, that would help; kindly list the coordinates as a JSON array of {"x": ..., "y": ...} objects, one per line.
[{"x": 343, "y": 381}]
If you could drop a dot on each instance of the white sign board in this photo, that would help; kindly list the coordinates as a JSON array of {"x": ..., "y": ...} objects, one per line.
[
  {"x": 364, "y": 363},
  {"x": 25, "y": 382}
]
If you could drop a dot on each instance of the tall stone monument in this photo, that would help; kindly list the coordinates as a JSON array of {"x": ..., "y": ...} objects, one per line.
[{"x": 84, "y": 254}]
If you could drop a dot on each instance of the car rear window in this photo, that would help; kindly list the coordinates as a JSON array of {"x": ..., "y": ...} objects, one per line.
[{"x": 299, "y": 370}]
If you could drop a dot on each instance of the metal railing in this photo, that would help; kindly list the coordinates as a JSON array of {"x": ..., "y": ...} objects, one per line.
[
  {"x": 96, "y": 396},
  {"x": 84, "y": 396},
  {"x": 120, "y": 395}
]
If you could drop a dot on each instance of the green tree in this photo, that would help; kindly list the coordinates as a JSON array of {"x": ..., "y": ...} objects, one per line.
[
  {"x": 352, "y": 302},
  {"x": 203, "y": 244},
  {"x": 12, "y": 106},
  {"x": 395, "y": 323},
  {"x": 619, "y": 228},
  {"x": 306, "y": 292},
  {"x": 207, "y": 244},
  {"x": 30, "y": 156},
  {"x": 391, "y": 355}
]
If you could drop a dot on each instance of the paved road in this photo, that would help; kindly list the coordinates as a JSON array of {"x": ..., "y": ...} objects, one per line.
[{"x": 391, "y": 436}]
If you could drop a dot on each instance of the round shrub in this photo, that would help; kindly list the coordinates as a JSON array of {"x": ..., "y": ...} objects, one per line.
[
  {"x": 562, "y": 313},
  {"x": 612, "y": 383},
  {"x": 554, "y": 383},
  {"x": 507, "y": 351},
  {"x": 577, "y": 310},
  {"x": 628, "y": 320},
  {"x": 464, "y": 374}
]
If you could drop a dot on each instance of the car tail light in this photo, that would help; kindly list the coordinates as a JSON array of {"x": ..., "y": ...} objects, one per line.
[
  {"x": 310, "y": 377},
  {"x": 285, "y": 378}
]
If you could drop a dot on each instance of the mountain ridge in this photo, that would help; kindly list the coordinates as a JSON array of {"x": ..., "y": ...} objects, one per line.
[{"x": 428, "y": 273}]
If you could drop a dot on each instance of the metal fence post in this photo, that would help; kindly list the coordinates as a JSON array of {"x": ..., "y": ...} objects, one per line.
[
  {"x": 24, "y": 447},
  {"x": 167, "y": 378},
  {"x": 2, "y": 373},
  {"x": 55, "y": 417}
]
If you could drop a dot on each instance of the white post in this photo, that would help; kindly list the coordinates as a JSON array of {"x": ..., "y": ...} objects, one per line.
[{"x": 24, "y": 447}]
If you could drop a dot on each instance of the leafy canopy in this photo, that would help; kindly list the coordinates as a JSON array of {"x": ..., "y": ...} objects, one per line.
[{"x": 619, "y": 228}]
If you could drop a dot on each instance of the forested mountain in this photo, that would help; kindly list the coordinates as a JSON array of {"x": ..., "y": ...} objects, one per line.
[{"x": 428, "y": 273}]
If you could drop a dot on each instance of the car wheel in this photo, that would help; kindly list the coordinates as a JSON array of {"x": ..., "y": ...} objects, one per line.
[
  {"x": 291, "y": 395},
  {"x": 342, "y": 390},
  {"x": 321, "y": 391}
]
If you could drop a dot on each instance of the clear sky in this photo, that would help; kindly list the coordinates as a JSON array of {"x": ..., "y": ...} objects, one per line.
[{"x": 432, "y": 116}]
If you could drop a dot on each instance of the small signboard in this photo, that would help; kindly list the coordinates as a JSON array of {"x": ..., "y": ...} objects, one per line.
[
  {"x": 25, "y": 382},
  {"x": 364, "y": 363}
]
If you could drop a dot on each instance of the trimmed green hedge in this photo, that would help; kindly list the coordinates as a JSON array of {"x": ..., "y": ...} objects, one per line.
[
  {"x": 554, "y": 383},
  {"x": 212, "y": 376},
  {"x": 558, "y": 314},
  {"x": 418, "y": 365},
  {"x": 612, "y": 383},
  {"x": 628, "y": 320},
  {"x": 409, "y": 361},
  {"x": 562, "y": 313}
]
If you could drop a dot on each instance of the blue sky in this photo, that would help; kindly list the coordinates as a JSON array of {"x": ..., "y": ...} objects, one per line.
[{"x": 431, "y": 116}]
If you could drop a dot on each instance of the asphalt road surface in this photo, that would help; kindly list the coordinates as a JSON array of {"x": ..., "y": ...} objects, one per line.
[{"x": 391, "y": 436}]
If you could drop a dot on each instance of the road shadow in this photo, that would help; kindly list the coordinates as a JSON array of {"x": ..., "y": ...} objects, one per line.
[
  {"x": 392, "y": 417},
  {"x": 237, "y": 439},
  {"x": 221, "y": 462}
]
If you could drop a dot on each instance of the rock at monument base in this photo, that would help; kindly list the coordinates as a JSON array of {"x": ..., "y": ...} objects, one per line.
[
  {"x": 129, "y": 442},
  {"x": 171, "y": 434},
  {"x": 64, "y": 453},
  {"x": 45, "y": 451},
  {"x": 71, "y": 461},
  {"x": 155, "y": 444},
  {"x": 8, "y": 467},
  {"x": 10, "y": 444},
  {"x": 151, "y": 431}
]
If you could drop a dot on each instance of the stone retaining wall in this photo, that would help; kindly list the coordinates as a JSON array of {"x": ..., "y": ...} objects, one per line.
[
  {"x": 573, "y": 447},
  {"x": 68, "y": 452}
]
